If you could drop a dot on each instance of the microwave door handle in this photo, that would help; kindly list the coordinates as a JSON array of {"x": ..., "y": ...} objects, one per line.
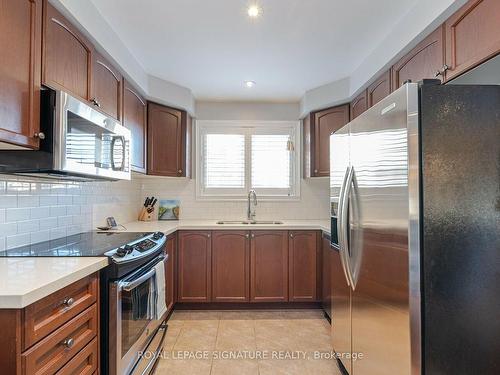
[
  {"x": 128, "y": 286},
  {"x": 340, "y": 227},
  {"x": 113, "y": 142},
  {"x": 346, "y": 225}
]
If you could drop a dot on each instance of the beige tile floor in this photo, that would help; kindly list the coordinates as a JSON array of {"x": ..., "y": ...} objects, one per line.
[{"x": 261, "y": 342}]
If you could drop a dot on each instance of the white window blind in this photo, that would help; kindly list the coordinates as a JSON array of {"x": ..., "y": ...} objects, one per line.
[
  {"x": 236, "y": 157},
  {"x": 271, "y": 161},
  {"x": 224, "y": 161}
]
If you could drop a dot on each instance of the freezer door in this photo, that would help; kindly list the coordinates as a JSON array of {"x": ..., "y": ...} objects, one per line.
[
  {"x": 378, "y": 235},
  {"x": 340, "y": 290}
]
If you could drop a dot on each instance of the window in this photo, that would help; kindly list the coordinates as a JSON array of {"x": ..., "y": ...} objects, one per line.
[{"x": 235, "y": 157}]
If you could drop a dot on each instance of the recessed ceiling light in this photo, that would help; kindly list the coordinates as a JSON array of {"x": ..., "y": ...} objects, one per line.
[
  {"x": 249, "y": 84},
  {"x": 254, "y": 11}
]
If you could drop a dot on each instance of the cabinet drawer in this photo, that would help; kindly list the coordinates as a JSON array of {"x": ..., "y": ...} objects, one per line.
[
  {"x": 54, "y": 351},
  {"x": 84, "y": 363},
  {"x": 49, "y": 313}
]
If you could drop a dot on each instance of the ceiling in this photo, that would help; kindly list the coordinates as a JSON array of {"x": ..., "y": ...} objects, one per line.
[{"x": 212, "y": 47}]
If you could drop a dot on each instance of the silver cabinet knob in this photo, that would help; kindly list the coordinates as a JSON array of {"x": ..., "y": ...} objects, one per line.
[
  {"x": 179, "y": 171},
  {"x": 253, "y": 235},
  {"x": 39, "y": 135},
  {"x": 441, "y": 72},
  {"x": 68, "y": 302},
  {"x": 291, "y": 235},
  {"x": 68, "y": 343},
  {"x": 208, "y": 235},
  {"x": 315, "y": 171},
  {"x": 247, "y": 235}
]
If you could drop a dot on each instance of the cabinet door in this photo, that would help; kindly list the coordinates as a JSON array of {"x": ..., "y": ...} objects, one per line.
[
  {"x": 20, "y": 42},
  {"x": 230, "y": 266},
  {"x": 359, "y": 105},
  {"x": 194, "y": 266},
  {"x": 302, "y": 266},
  {"x": 167, "y": 132},
  {"x": 379, "y": 89},
  {"x": 472, "y": 35},
  {"x": 325, "y": 123},
  {"x": 326, "y": 275},
  {"x": 67, "y": 55},
  {"x": 426, "y": 60},
  {"x": 170, "y": 272},
  {"x": 134, "y": 119},
  {"x": 106, "y": 87},
  {"x": 269, "y": 266}
]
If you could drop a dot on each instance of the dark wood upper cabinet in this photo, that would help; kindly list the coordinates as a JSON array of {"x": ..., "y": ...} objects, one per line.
[
  {"x": 426, "y": 60},
  {"x": 303, "y": 261},
  {"x": 107, "y": 85},
  {"x": 359, "y": 104},
  {"x": 135, "y": 119},
  {"x": 171, "y": 249},
  {"x": 169, "y": 132},
  {"x": 379, "y": 89},
  {"x": 67, "y": 55},
  {"x": 472, "y": 36},
  {"x": 194, "y": 266},
  {"x": 230, "y": 266},
  {"x": 317, "y": 129},
  {"x": 269, "y": 266},
  {"x": 20, "y": 43}
]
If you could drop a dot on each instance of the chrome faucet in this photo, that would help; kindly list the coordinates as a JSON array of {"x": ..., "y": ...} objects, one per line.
[{"x": 251, "y": 213}]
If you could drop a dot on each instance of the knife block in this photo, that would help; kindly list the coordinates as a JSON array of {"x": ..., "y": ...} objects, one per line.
[{"x": 144, "y": 215}]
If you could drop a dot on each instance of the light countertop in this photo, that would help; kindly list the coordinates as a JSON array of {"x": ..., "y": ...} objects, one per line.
[
  {"x": 28, "y": 279},
  {"x": 25, "y": 280},
  {"x": 168, "y": 227}
]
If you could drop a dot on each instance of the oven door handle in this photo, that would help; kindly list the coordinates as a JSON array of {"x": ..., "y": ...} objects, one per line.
[{"x": 128, "y": 286}]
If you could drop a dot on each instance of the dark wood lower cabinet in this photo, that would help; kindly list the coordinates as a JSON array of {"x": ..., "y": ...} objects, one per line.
[
  {"x": 194, "y": 266},
  {"x": 230, "y": 266},
  {"x": 303, "y": 256},
  {"x": 269, "y": 266},
  {"x": 170, "y": 276}
]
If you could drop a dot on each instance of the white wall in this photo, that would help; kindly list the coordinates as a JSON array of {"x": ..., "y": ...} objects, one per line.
[{"x": 263, "y": 111}]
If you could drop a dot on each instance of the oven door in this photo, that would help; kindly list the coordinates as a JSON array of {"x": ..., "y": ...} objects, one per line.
[
  {"x": 133, "y": 317},
  {"x": 89, "y": 143}
]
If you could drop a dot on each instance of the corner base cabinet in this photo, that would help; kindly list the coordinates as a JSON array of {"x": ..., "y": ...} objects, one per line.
[{"x": 57, "y": 334}]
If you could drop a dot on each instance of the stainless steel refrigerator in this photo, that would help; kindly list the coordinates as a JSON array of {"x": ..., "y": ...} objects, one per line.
[{"x": 415, "y": 212}]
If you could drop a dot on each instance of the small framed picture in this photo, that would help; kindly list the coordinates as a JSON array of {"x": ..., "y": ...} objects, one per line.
[{"x": 169, "y": 209}]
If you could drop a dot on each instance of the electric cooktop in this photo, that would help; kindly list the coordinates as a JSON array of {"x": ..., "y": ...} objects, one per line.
[{"x": 87, "y": 244}]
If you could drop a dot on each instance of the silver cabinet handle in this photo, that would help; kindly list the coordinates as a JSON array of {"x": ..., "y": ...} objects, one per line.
[
  {"x": 253, "y": 235},
  {"x": 40, "y": 135},
  {"x": 208, "y": 235},
  {"x": 247, "y": 235},
  {"x": 442, "y": 71},
  {"x": 315, "y": 171},
  {"x": 68, "y": 302},
  {"x": 68, "y": 343},
  {"x": 291, "y": 235},
  {"x": 95, "y": 102}
]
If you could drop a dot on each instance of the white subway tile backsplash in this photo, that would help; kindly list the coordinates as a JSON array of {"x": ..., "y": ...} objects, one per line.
[
  {"x": 48, "y": 223},
  {"x": 17, "y": 214},
  {"x": 48, "y": 200},
  {"x": 28, "y": 226},
  {"x": 18, "y": 240},
  {"x": 34, "y": 210},
  {"x": 8, "y": 201}
]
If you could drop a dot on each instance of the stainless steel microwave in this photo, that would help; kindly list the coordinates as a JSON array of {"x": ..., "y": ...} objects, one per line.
[{"x": 76, "y": 142}]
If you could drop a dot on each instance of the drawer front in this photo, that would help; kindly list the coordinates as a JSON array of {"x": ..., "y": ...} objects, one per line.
[
  {"x": 84, "y": 363},
  {"x": 54, "y": 351},
  {"x": 49, "y": 313}
]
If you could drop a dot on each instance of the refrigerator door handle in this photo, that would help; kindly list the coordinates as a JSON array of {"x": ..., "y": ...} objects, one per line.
[{"x": 341, "y": 226}]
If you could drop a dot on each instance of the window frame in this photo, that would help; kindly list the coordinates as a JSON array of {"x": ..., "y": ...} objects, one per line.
[{"x": 247, "y": 128}]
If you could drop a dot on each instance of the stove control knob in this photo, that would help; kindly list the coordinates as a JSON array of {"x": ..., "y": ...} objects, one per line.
[
  {"x": 128, "y": 248},
  {"x": 157, "y": 235},
  {"x": 121, "y": 252}
]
